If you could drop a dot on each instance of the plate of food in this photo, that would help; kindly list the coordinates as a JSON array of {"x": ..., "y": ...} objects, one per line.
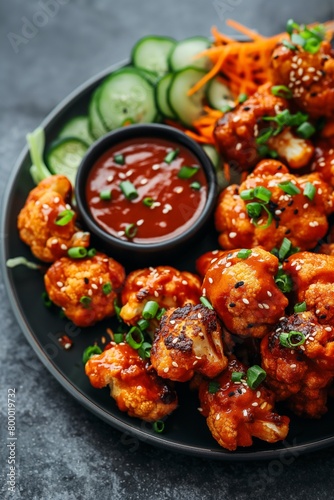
[{"x": 183, "y": 291}]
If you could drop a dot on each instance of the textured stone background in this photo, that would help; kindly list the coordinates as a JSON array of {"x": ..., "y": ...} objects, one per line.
[{"x": 64, "y": 452}]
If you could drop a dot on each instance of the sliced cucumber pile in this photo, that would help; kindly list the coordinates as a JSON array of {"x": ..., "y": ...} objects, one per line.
[
  {"x": 184, "y": 53},
  {"x": 64, "y": 157},
  {"x": 218, "y": 94},
  {"x": 152, "y": 53},
  {"x": 77, "y": 127},
  {"x": 96, "y": 125}
]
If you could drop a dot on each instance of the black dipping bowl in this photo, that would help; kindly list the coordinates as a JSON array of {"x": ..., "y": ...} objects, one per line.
[{"x": 142, "y": 253}]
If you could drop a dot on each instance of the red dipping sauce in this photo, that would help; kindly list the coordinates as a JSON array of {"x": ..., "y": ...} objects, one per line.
[{"x": 166, "y": 205}]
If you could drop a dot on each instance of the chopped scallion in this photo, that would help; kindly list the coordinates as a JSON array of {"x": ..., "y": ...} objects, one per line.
[
  {"x": 237, "y": 376},
  {"x": 206, "y": 302},
  {"x": 242, "y": 97},
  {"x": 171, "y": 155},
  {"x": 281, "y": 91},
  {"x": 118, "y": 337},
  {"x": 247, "y": 194},
  {"x": 77, "y": 252},
  {"x": 135, "y": 337},
  {"x": 289, "y": 188},
  {"x": 107, "y": 288},
  {"x": 186, "y": 172},
  {"x": 91, "y": 252},
  {"x": 128, "y": 190},
  {"x": 292, "y": 339},
  {"x": 89, "y": 352},
  {"x": 144, "y": 350},
  {"x": 309, "y": 191},
  {"x": 85, "y": 301},
  {"x": 150, "y": 309},
  {"x": 213, "y": 386},
  {"x": 148, "y": 201},
  {"x": 195, "y": 185},
  {"x": 64, "y": 217},
  {"x": 119, "y": 159},
  {"x": 105, "y": 195},
  {"x": 305, "y": 130},
  {"x": 300, "y": 307},
  {"x": 255, "y": 375},
  {"x": 262, "y": 193},
  {"x": 244, "y": 253},
  {"x": 131, "y": 231},
  {"x": 284, "y": 248},
  {"x": 158, "y": 426}
]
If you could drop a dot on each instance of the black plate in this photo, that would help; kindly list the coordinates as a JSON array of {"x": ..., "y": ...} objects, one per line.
[{"x": 186, "y": 430}]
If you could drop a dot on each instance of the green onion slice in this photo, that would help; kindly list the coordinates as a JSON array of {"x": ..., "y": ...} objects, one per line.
[
  {"x": 284, "y": 248},
  {"x": 244, "y": 253},
  {"x": 160, "y": 313},
  {"x": 131, "y": 231},
  {"x": 186, "y": 172},
  {"x": 117, "y": 310},
  {"x": 144, "y": 350},
  {"x": 289, "y": 45},
  {"x": 281, "y": 91},
  {"x": 262, "y": 193},
  {"x": 143, "y": 324},
  {"x": 226, "y": 108},
  {"x": 269, "y": 220},
  {"x": 107, "y": 288},
  {"x": 105, "y": 195},
  {"x": 254, "y": 209},
  {"x": 305, "y": 130},
  {"x": 264, "y": 135},
  {"x": 292, "y": 339},
  {"x": 247, "y": 194},
  {"x": 255, "y": 375},
  {"x": 171, "y": 155},
  {"x": 46, "y": 300},
  {"x": 91, "y": 252},
  {"x": 77, "y": 252},
  {"x": 64, "y": 217},
  {"x": 118, "y": 338},
  {"x": 195, "y": 185},
  {"x": 89, "y": 352},
  {"x": 309, "y": 191},
  {"x": 206, "y": 302},
  {"x": 237, "y": 376},
  {"x": 135, "y": 337},
  {"x": 289, "y": 188},
  {"x": 300, "y": 307},
  {"x": 150, "y": 309},
  {"x": 148, "y": 201},
  {"x": 213, "y": 387},
  {"x": 158, "y": 426},
  {"x": 119, "y": 159},
  {"x": 284, "y": 281},
  {"x": 242, "y": 97},
  {"x": 128, "y": 190},
  {"x": 85, "y": 301}
]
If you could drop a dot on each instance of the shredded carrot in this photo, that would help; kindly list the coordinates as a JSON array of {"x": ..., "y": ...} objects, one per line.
[
  {"x": 210, "y": 74},
  {"x": 199, "y": 138},
  {"x": 220, "y": 37}
]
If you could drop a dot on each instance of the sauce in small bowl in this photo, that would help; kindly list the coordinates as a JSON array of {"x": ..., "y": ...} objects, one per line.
[{"x": 147, "y": 189}]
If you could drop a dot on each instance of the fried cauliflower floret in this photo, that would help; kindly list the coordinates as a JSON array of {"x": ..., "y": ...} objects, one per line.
[
  {"x": 133, "y": 383},
  {"x": 237, "y": 131},
  {"x": 323, "y": 161},
  {"x": 235, "y": 413},
  {"x": 163, "y": 284},
  {"x": 37, "y": 225},
  {"x": 243, "y": 292},
  {"x": 86, "y": 288},
  {"x": 189, "y": 340},
  {"x": 204, "y": 261},
  {"x": 294, "y": 216},
  {"x": 301, "y": 374},
  {"x": 313, "y": 278},
  {"x": 310, "y": 77}
]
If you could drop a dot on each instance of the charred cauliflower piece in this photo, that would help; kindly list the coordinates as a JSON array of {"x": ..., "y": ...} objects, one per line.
[
  {"x": 133, "y": 384},
  {"x": 301, "y": 367},
  {"x": 310, "y": 77},
  {"x": 85, "y": 289},
  {"x": 313, "y": 278},
  {"x": 243, "y": 292},
  {"x": 294, "y": 215},
  {"x": 163, "y": 284},
  {"x": 235, "y": 413},
  {"x": 37, "y": 221},
  {"x": 188, "y": 340}
]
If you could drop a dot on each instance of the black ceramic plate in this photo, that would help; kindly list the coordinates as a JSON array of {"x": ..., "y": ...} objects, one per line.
[{"x": 186, "y": 429}]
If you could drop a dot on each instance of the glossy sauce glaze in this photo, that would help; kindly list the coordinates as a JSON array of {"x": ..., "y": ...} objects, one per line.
[{"x": 174, "y": 203}]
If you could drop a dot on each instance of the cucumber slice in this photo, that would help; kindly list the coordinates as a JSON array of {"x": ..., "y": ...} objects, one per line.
[
  {"x": 218, "y": 94},
  {"x": 183, "y": 54},
  {"x": 151, "y": 76},
  {"x": 161, "y": 93},
  {"x": 95, "y": 124},
  {"x": 64, "y": 157},
  {"x": 213, "y": 154},
  {"x": 152, "y": 53},
  {"x": 126, "y": 96},
  {"x": 187, "y": 108},
  {"x": 77, "y": 127}
]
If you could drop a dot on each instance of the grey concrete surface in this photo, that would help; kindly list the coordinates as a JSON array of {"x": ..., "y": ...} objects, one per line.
[{"x": 63, "y": 451}]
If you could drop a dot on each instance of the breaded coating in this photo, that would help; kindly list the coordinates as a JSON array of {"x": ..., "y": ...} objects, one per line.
[
  {"x": 302, "y": 374},
  {"x": 235, "y": 413},
  {"x": 188, "y": 341},
  {"x": 323, "y": 161},
  {"x": 163, "y": 284},
  {"x": 37, "y": 226},
  {"x": 294, "y": 216},
  {"x": 237, "y": 131},
  {"x": 310, "y": 77},
  {"x": 86, "y": 288},
  {"x": 243, "y": 292},
  {"x": 133, "y": 383},
  {"x": 313, "y": 278},
  {"x": 204, "y": 261}
]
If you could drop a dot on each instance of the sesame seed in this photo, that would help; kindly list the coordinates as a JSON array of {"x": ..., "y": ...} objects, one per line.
[
  {"x": 45, "y": 205},
  {"x": 174, "y": 363},
  {"x": 63, "y": 246},
  {"x": 56, "y": 199},
  {"x": 228, "y": 264},
  {"x": 178, "y": 189},
  {"x": 63, "y": 289},
  {"x": 245, "y": 301},
  {"x": 269, "y": 293},
  {"x": 278, "y": 212},
  {"x": 328, "y": 328},
  {"x": 94, "y": 286},
  {"x": 129, "y": 172},
  {"x": 175, "y": 340},
  {"x": 156, "y": 166},
  {"x": 122, "y": 175},
  {"x": 143, "y": 182},
  {"x": 258, "y": 394},
  {"x": 195, "y": 362},
  {"x": 218, "y": 416},
  {"x": 238, "y": 146},
  {"x": 90, "y": 292},
  {"x": 140, "y": 222},
  {"x": 184, "y": 282},
  {"x": 232, "y": 235},
  {"x": 293, "y": 366},
  {"x": 298, "y": 267},
  {"x": 156, "y": 293},
  {"x": 255, "y": 403},
  {"x": 244, "y": 412},
  {"x": 210, "y": 280},
  {"x": 266, "y": 306},
  {"x": 200, "y": 409},
  {"x": 314, "y": 223},
  {"x": 166, "y": 370},
  {"x": 60, "y": 284},
  {"x": 54, "y": 241},
  {"x": 172, "y": 321},
  {"x": 305, "y": 206},
  {"x": 260, "y": 306},
  {"x": 199, "y": 316},
  {"x": 110, "y": 178}
]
